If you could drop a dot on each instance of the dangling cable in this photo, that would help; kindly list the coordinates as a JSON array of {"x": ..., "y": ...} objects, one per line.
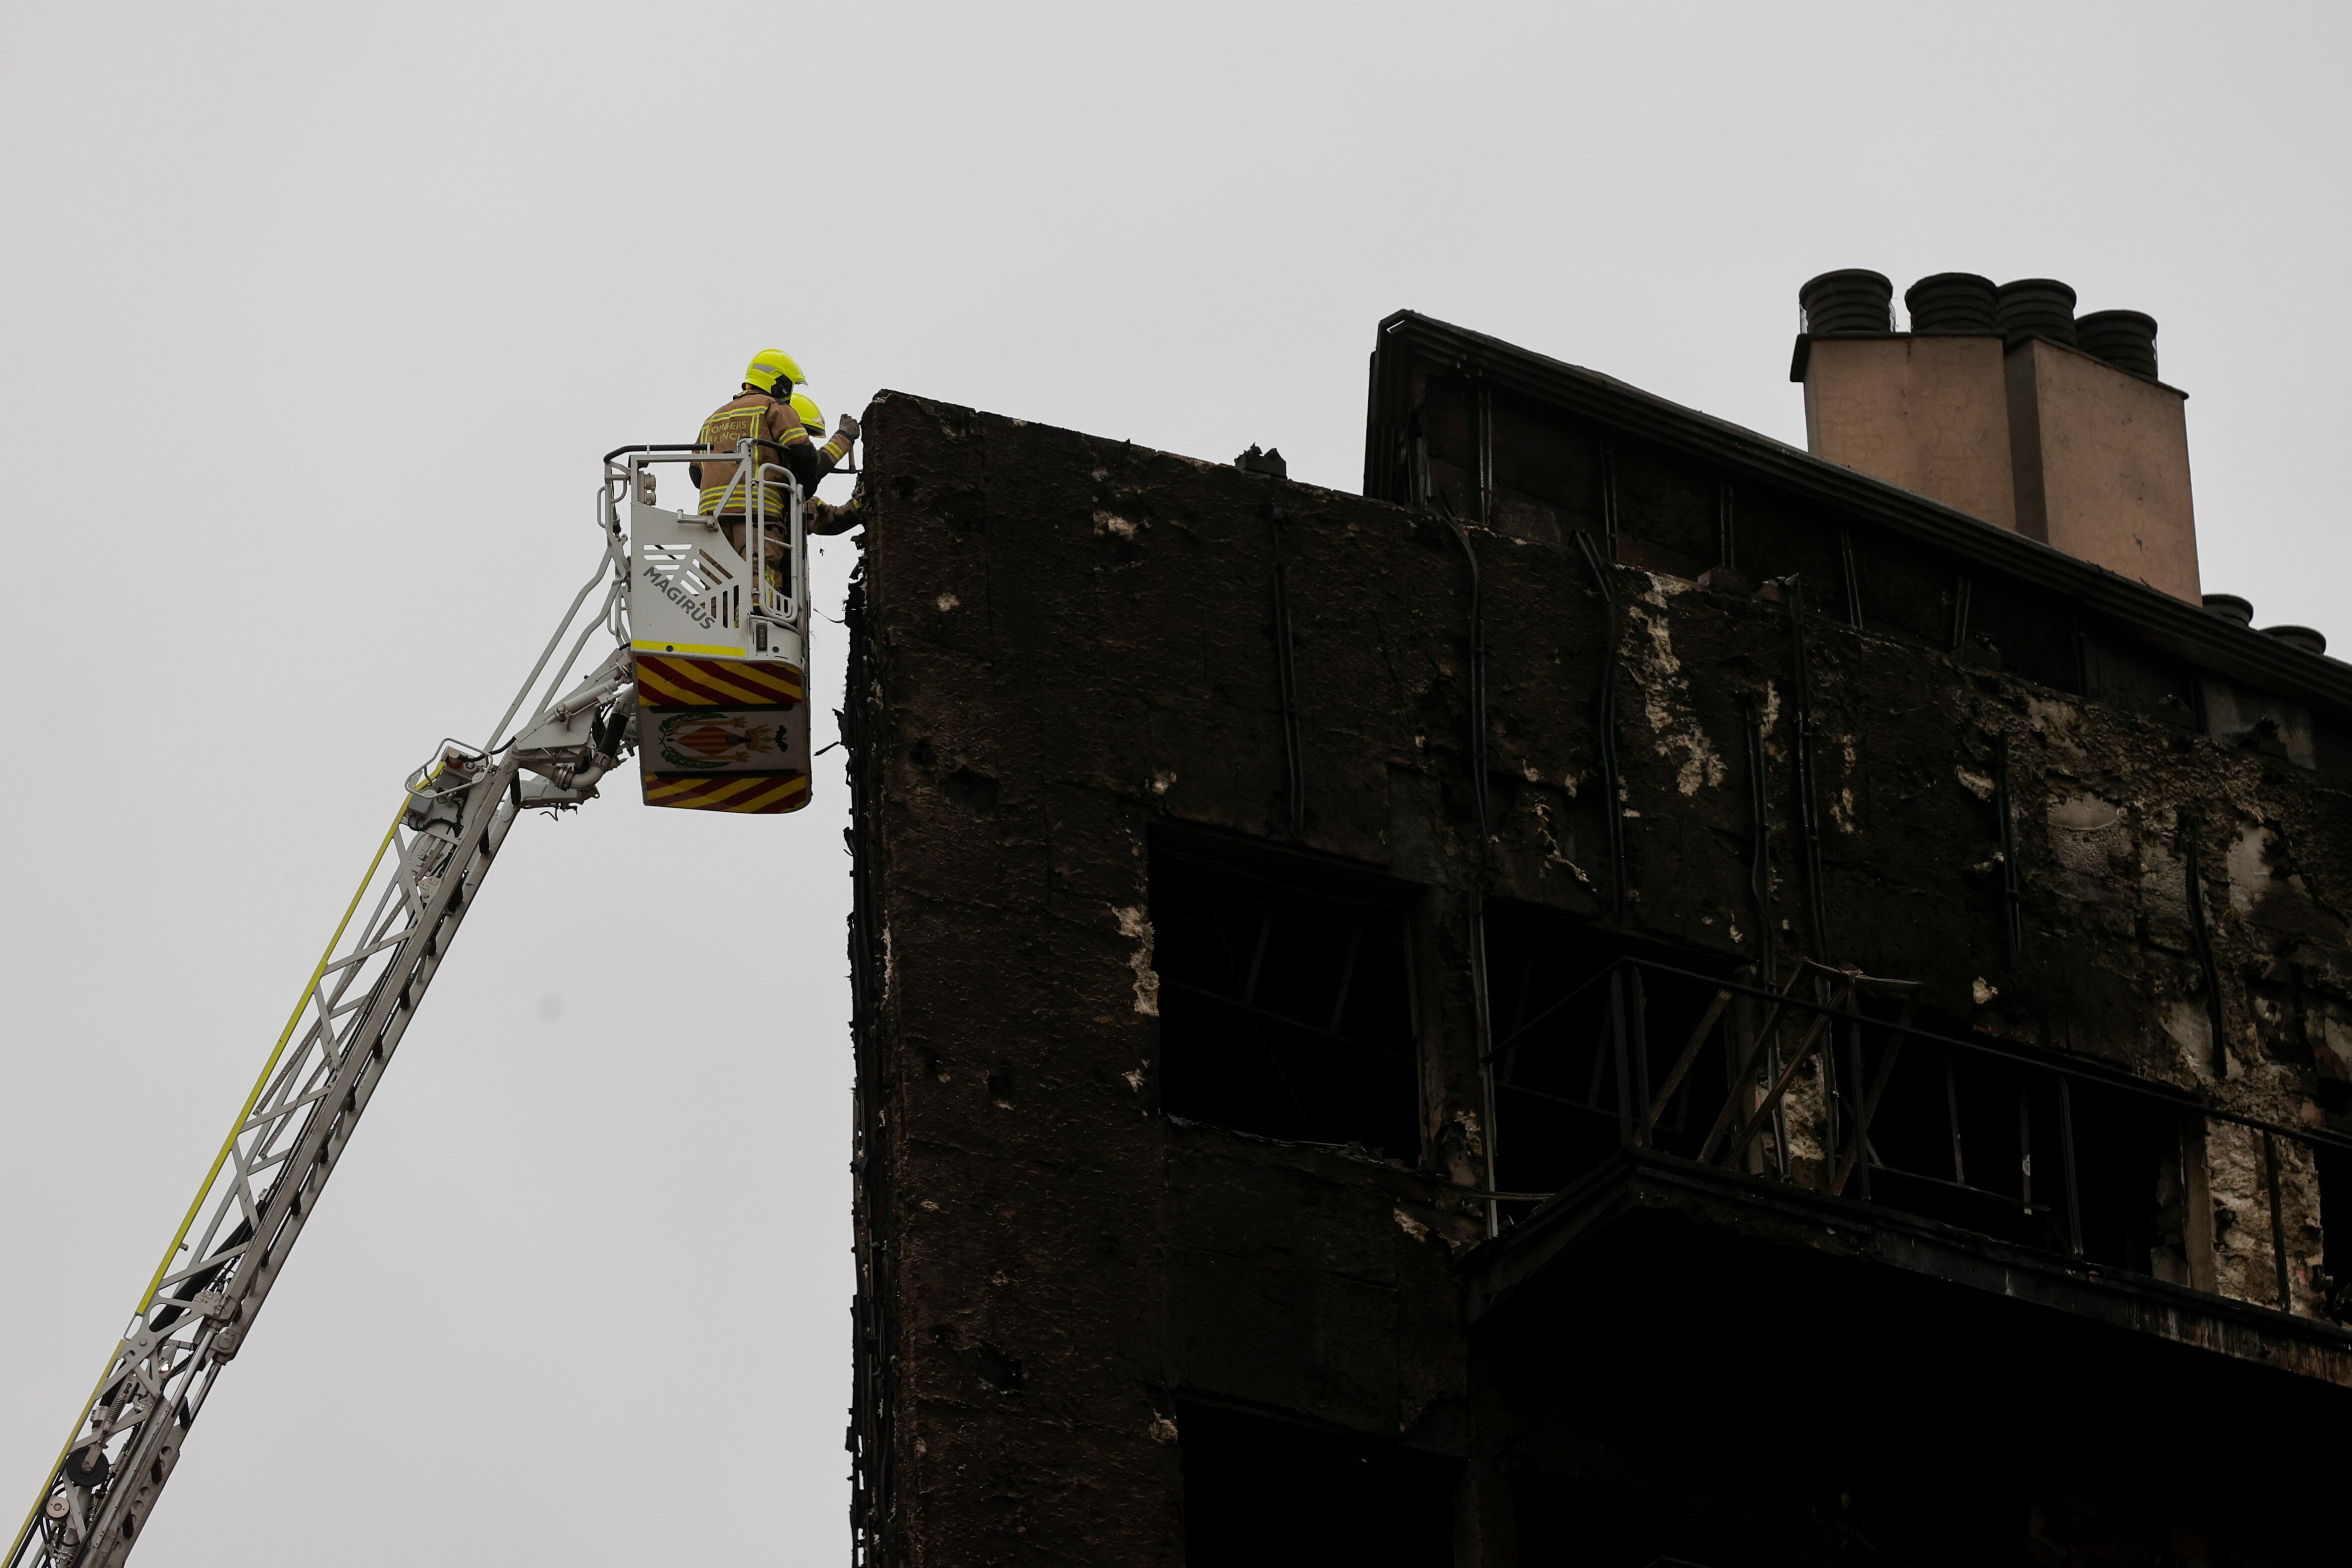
[
  {"x": 1477, "y": 683},
  {"x": 1604, "y": 726}
]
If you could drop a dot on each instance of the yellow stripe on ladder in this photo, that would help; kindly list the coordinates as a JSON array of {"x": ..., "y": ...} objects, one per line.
[{"x": 147, "y": 1298}]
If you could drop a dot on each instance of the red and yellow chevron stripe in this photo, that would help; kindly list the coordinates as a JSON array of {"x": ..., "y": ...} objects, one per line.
[
  {"x": 674, "y": 680},
  {"x": 757, "y": 794}
]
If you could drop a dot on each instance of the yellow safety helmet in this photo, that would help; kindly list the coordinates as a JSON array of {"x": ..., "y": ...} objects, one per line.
[
  {"x": 771, "y": 365},
  {"x": 812, "y": 416}
]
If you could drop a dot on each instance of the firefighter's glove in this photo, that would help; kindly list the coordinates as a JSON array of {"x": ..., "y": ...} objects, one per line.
[{"x": 848, "y": 427}]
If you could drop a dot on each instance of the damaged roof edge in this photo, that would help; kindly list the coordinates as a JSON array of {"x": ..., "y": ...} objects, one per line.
[{"x": 2185, "y": 630}]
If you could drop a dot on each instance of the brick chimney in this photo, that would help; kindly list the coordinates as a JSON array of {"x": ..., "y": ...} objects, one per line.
[{"x": 2000, "y": 404}]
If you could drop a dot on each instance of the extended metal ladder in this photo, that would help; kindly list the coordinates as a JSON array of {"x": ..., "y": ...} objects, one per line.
[{"x": 200, "y": 1306}]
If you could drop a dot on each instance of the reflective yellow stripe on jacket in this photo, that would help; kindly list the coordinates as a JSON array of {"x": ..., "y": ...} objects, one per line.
[
  {"x": 778, "y": 503},
  {"x": 722, "y": 432}
]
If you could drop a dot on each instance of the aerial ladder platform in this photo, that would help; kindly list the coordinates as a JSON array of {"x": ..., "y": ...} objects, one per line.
[{"x": 706, "y": 680}]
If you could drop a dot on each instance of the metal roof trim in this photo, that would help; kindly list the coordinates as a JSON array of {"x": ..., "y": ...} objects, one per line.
[{"x": 2188, "y": 631}]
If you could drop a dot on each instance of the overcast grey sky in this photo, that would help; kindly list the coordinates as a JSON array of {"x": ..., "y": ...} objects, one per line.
[{"x": 317, "y": 317}]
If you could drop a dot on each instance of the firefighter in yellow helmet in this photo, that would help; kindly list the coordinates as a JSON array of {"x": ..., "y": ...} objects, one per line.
[
  {"x": 763, "y": 412},
  {"x": 823, "y": 516}
]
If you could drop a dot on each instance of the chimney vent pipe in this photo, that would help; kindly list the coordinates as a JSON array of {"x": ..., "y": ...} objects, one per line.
[
  {"x": 2125, "y": 338},
  {"x": 2035, "y": 308},
  {"x": 2303, "y": 637},
  {"x": 2015, "y": 424},
  {"x": 2230, "y": 607},
  {"x": 1952, "y": 302},
  {"x": 1840, "y": 304}
]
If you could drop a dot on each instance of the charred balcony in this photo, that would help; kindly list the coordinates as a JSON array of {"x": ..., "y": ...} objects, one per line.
[
  {"x": 1645, "y": 1098},
  {"x": 1630, "y": 1087}
]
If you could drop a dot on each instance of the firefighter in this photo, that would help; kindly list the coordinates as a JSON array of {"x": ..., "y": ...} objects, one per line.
[
  {"x": 821, "y": 516},
  {"x": 763, "y": 411},
  {"x": 830, "y": 516},
  {"x": 812, "y": 417}
]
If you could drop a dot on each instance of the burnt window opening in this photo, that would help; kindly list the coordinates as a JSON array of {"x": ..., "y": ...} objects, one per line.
[
  {"x": 2027, "y": 1154},
  {"x": 2331, "y": 746},
  {"x": 2334, "y": 1280},
  {"x": 1286, "y": 997},
  {"x": 1554, "y": 1050},
  {"x": 1261, "y": 1493},
  {"x": 1600, "y": 1042}
]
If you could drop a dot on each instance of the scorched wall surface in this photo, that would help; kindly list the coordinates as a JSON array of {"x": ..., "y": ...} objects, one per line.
[{"x": 1064, "y": 652}]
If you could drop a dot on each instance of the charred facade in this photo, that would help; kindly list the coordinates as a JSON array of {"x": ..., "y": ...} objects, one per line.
[{"x": 1632, "y": 991}]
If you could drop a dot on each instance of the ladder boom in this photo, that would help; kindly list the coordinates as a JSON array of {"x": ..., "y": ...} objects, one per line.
[
  {"x": 724, "y": 669},
  {"x": 199, "y": 1308}
]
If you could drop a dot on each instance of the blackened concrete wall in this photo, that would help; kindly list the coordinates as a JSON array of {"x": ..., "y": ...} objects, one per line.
[{"x": 1060, "y": 642}]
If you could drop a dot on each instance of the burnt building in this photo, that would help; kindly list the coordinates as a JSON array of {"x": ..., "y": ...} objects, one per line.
[{"x": 1632, "y": 993}]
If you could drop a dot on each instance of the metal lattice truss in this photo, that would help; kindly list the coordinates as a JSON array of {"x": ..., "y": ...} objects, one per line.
[{"x": 316, "y": 1084}]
